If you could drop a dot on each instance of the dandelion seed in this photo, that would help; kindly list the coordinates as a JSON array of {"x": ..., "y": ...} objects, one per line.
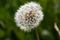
[{"x": 29, "y": 16}]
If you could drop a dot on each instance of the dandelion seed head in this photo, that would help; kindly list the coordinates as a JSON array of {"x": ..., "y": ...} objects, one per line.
[{"x": 29, "y": 16}]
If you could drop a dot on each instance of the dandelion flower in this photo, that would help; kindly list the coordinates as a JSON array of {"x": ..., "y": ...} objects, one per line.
[{"x": 29, "y": 16}]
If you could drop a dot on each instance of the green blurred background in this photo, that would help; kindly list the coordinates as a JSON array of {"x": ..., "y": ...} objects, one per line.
[{"x": 46, "y": 31}]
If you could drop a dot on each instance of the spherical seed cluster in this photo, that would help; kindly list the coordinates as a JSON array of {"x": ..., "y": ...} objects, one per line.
[{"x": 29, "y": 16}]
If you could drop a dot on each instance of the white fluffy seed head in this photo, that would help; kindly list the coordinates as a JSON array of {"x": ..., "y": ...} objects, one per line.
[{"x": 29, "y": 16}]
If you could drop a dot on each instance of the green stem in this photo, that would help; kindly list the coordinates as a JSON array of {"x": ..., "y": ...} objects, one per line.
[{"x": 37, "y": 34}]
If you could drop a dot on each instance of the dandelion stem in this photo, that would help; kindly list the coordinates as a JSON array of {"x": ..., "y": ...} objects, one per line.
[{"x": 37, "y": 34}]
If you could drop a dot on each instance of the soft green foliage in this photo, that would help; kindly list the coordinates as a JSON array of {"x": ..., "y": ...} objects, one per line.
[{"x": 9, "y": 30}]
